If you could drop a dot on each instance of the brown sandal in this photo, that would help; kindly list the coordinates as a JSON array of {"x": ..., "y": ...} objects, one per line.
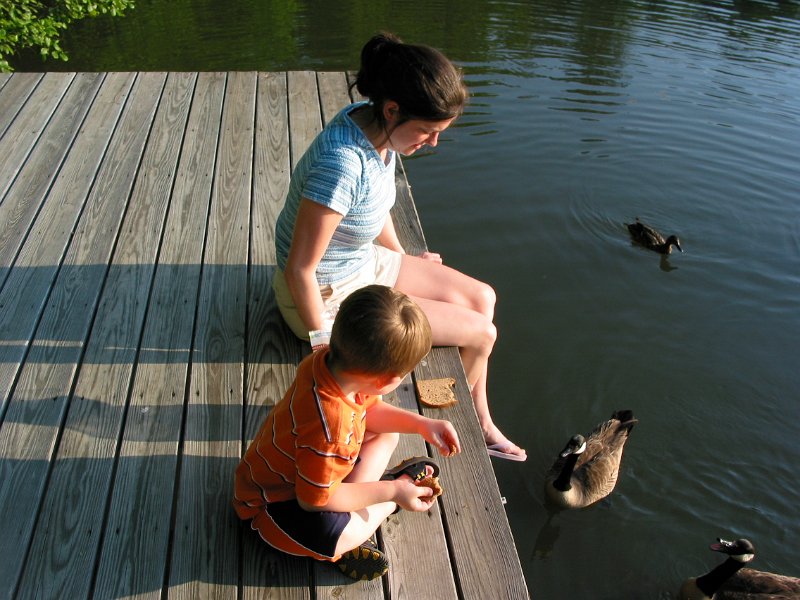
[{"x": 414, "y": 467}]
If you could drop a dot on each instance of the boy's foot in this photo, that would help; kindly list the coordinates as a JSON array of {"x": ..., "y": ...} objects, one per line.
[
  {"x": 415, "y": 467},
  {"x": 365, "y": 562}
]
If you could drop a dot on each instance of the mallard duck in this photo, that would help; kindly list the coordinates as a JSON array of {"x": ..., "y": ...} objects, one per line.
[
  {"x": 729, "y": 581},
  {"x": 652, "y": 239},
  {"x": 586, "y": 470}
]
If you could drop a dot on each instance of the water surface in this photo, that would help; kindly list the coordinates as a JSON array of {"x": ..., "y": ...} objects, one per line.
[{"x": 585, "y": 115}]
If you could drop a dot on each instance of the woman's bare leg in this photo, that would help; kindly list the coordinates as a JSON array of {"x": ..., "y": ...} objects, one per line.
[{"x": 460, "y": 310}]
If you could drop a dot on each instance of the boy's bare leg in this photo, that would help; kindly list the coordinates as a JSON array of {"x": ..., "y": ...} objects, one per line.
[{"x": 376, "y": 451}]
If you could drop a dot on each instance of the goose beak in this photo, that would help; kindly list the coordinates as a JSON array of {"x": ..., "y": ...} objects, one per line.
[
  {"x": 576, "y": 445},
  {"x": 678, "y": 246},
  {"x": 721, "y": 545},
  {"x": 716, "y": 547}
]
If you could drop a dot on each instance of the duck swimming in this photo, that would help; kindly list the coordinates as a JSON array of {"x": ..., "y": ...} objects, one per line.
[
  {"x": 730, "y": 581},
  {"x": 586, "y": 470},
  {"x": 652, "y": 239}
]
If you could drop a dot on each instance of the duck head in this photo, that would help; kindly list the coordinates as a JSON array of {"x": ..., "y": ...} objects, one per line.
[
  {"x": 576, "y": 445},
  {"x": 741, "y": 550},
  {"x": 673, "y": 241}
]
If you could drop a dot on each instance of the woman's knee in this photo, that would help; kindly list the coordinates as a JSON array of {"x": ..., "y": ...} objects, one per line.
[
  {"x": 483, "y": 299},
  {"x": 483, "y": 336},
  {"x": 486, "y": 299},
  {"x": 490, "y": 334}
]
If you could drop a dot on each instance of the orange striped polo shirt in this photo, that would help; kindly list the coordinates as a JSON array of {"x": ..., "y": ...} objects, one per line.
[{"x": 308, "y": 444}]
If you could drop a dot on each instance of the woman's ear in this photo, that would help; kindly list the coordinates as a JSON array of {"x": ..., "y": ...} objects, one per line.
[{"x": 391, "y": 112}]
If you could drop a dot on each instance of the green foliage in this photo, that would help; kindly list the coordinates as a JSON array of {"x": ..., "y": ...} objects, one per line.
[{"x": 39, "y": 23}]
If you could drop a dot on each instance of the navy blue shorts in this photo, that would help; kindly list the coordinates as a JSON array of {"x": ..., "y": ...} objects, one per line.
[{"x": 319, "y": 531}]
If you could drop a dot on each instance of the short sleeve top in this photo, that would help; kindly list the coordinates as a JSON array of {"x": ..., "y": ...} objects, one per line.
[
  {"x": 308, "y": 444},
  {"x": 343, "y": 171}
]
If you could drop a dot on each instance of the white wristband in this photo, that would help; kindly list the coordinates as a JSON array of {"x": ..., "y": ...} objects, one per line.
[{"x": 319, "y": 338}]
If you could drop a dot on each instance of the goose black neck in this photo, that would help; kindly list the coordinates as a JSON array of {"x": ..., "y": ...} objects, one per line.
[
  {"x": 563, "y": 482},
  {"x": 713, "y": 580}
]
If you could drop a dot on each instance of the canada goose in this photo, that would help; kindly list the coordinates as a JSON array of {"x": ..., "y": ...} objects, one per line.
[
  {"x": 729, "y": 581},
  {"x": 586, "y": 469},
  {"x": 652, "y": 239}
]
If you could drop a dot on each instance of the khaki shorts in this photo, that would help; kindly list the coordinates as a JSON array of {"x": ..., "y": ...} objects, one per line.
[{"x": 382, "y": 268}]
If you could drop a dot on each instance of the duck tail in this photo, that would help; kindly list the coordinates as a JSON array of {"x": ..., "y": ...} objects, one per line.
[{"x": 626, "y": 419}]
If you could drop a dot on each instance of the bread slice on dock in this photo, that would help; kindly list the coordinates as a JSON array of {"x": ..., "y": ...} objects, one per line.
[{"x": 437, "y": 393}]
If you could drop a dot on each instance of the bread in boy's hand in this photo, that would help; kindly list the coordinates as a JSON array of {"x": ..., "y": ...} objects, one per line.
[
  {"x": 437, "y": 393},
  {"x": 433, "y": 483}
]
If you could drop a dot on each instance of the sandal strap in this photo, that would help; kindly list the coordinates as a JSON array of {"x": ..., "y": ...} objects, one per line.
[{"x": 414, "y": 467}]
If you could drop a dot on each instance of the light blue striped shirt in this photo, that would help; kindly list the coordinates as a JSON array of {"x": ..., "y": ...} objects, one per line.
[{"x": 343, "y": 171}]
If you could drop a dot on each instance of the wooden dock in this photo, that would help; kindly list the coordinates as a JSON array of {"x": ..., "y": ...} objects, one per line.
[{"x": 141, "y": 348}]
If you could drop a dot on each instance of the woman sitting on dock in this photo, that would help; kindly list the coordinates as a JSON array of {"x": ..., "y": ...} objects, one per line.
[{"x": 338, "y": 204}]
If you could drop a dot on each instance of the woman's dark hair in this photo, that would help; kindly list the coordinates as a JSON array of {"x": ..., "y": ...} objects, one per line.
[{"x": 422, "y": 80}]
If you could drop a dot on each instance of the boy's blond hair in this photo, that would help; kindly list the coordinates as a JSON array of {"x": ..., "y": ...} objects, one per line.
[{"x": 379, "y": 331}]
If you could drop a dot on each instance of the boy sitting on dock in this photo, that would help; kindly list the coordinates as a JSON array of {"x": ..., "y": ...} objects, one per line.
[{"x": 314, "y": 480}]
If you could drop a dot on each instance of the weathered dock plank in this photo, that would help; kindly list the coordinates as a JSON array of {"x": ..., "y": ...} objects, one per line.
[
  {"x": 205, "y": 556},
  {"x": 135, "y": 551},
  {"x": 416, "y": 543},
  {"x": 27, "y": 287},
  {"x": 272, "y": 350},
  {"x": 142, "y": 348},
  {"x": 56, "y": 350},
  {"x": 63, "y": 551},
  {"x": 32, "y": 420},
  {"x": 29, "y": 190},
  {"x": 333, "y": 94},
  {"x": 29, "y": 123},
  {"x": 13, "y": 96},
  {"x": 305, "y": 117}
]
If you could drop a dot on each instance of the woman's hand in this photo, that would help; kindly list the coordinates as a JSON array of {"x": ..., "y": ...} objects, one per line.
[{"x": 431, "y": 256}]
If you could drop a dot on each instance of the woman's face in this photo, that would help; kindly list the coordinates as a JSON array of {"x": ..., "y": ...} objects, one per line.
[{"x": 409, "y": 136}]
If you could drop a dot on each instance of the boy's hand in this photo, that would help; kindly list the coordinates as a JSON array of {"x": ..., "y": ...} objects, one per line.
[
  {"x": 412, "y": 497},
  {"x": 442, "y": 435}
]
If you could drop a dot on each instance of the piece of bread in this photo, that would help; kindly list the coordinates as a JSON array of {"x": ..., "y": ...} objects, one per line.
[
  {"x": 433, "y": 483},
  {"x": 437, "y": 393}
]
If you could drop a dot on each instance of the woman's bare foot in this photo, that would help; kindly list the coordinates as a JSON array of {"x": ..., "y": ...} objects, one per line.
[{"x": 500, "y": 446}]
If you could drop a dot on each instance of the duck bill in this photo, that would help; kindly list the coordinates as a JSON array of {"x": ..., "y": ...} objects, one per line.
[{"x": 721, "y": 546}]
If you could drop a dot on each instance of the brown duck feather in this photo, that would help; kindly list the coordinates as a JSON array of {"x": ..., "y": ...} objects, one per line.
[
  {"x": 650, "y": 238},
  {"x": 576, "y": 480}
]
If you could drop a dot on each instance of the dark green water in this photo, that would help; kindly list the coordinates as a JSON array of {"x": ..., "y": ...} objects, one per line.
[{"x": 585, "y": 115}]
